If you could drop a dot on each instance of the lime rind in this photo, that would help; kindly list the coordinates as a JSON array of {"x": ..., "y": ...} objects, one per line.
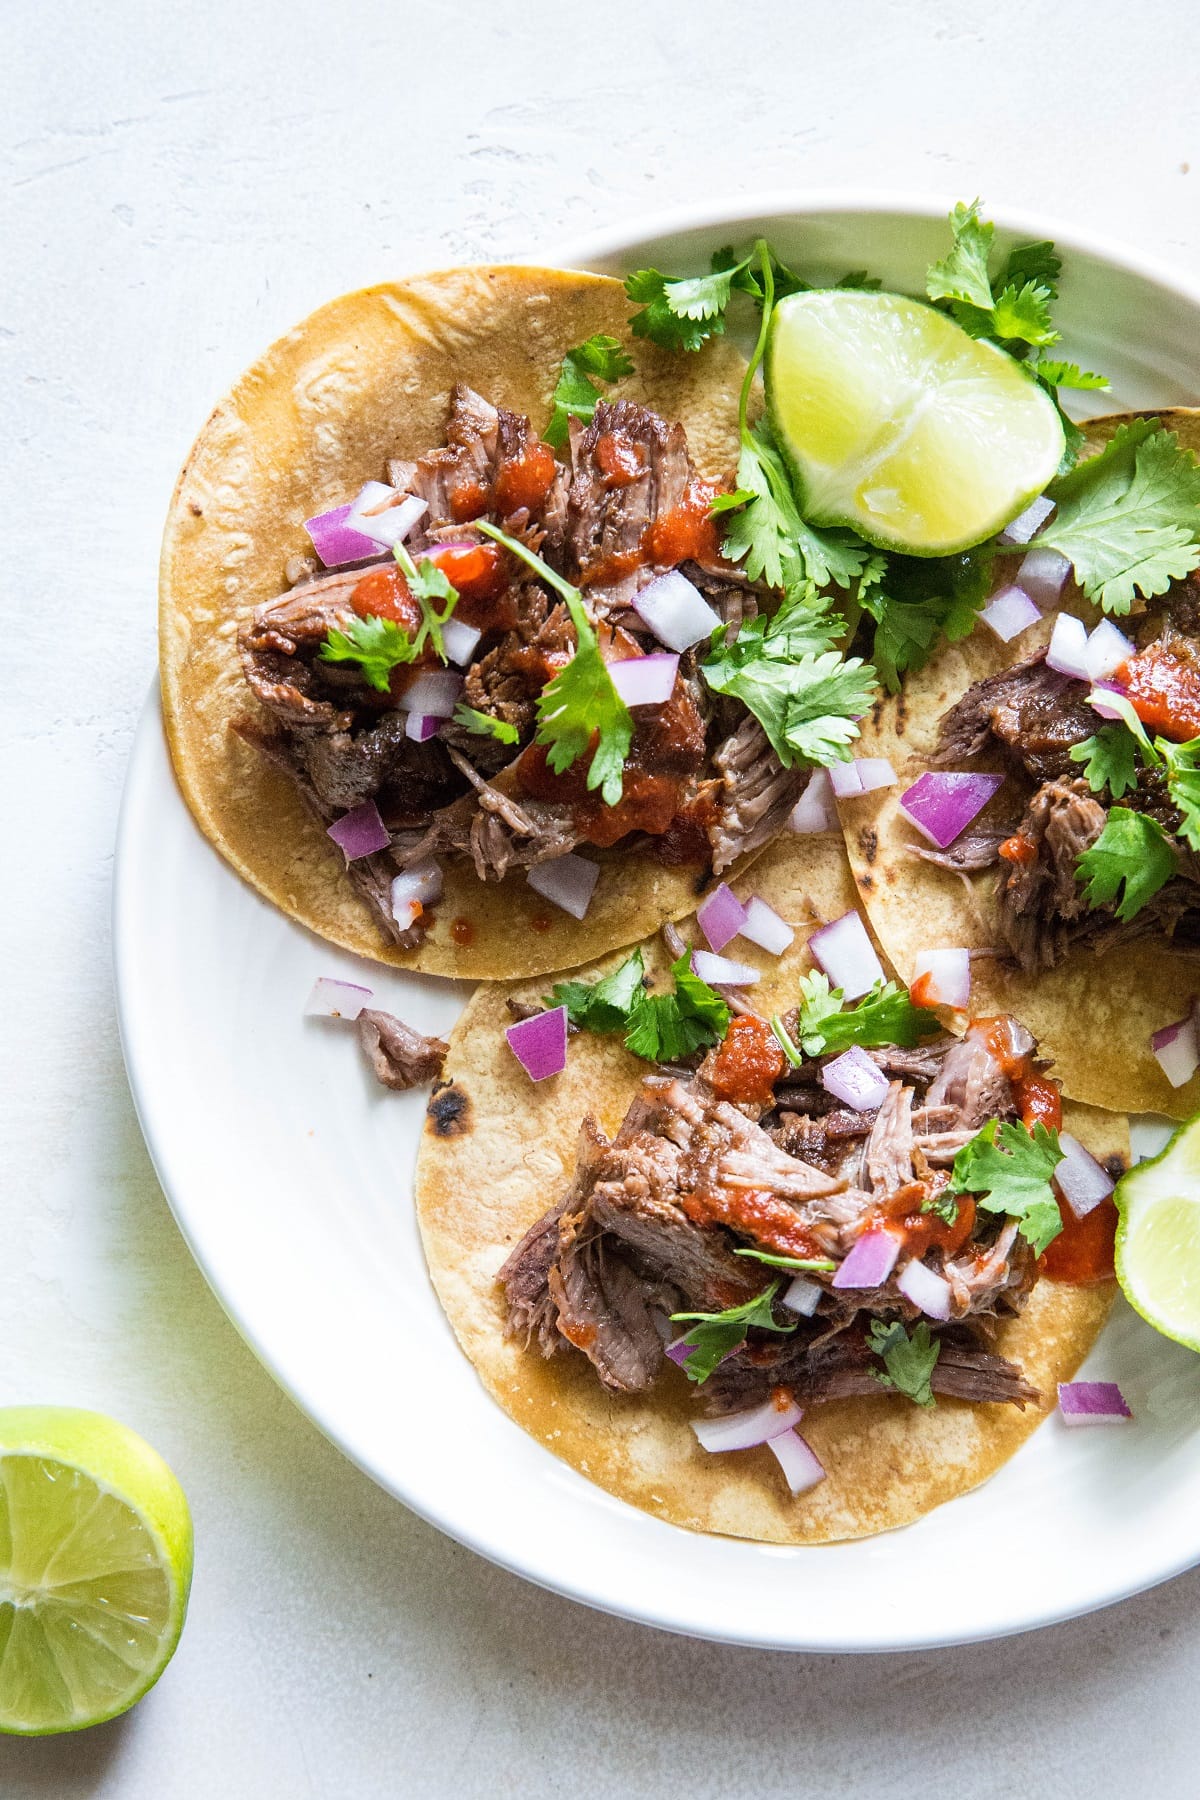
[
  {"x": 1157, "y": 1255},
  {"x": 897, "y": 423}
]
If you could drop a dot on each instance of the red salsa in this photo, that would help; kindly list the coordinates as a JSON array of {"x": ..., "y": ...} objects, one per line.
[
  {"x": 1082, "y": 1253},
  {"x": 688, "y": 533},
  {"x": 1165, "y": 691},
  {"x": 748, "y": 1063},
  {"x": 771, "y": 1222}
]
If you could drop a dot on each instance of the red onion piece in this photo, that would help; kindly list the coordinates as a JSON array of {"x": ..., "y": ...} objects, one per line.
[
  {"x": 1081, "y": 1180},
  {"x": 540, "y": 1043},
  {"x": 644, "y": 680},
  {"x": 720, "y": 916},
  {"x": 855, "y": 1079},
  {"x": 678, "y": 1352},
  {"x": 335, "y": 542},
  {"x": 676, "y": 611},
  {"x": 434, "y": 692},
  {"x": 814, "y": 810},
  {"x": 925, "y": 1288},
  {"x": 945, "y": 978},
  {"x": 336, "y": 999},
  {"x": 1107, "y": 649},
  {"x": 1009, "y": 613},
  {"x": 743, "y": 1430},
  {"x": 802, "y": 1296},
  {"x": 719, "y": 971},
  {"x": 1098, "y": 703},
  {"x": 942, "y": 805},
  {"x": 870, "y": 1261},
  {"x": 763, "y": 926},
  {"x": 802, "y": 1467},
  {"x": 1092, "y": 1403},
  {"x": 1023, "y": 527},
  {"x": 420, "y": 727},
  {"x": 567, "y": 881},
  {"x": 875, "y": 772},
  {"x": 460, "y": 641},
  {"x": 1068, "y": 648},
  {"x": 360, "y": 832},
  {"x": 847, "y": 956},
  {"x": 414, "y": 889},
  {"x": 384, "y": 514},
  {"x": 1043, "y": 575},
  {"x": 844, "y": 780},
  {"x": 1177, "y": 1050}
]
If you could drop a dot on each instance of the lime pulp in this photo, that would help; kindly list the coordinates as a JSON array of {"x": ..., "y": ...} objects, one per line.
[{"x": 1158, "y": 1237}]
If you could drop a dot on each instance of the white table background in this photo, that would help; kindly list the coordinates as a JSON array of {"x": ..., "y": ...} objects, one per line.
[{"x": 179, "y": 185}]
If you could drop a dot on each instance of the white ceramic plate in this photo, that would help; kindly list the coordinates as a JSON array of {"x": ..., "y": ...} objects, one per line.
[{"x": 289, "y": 1171}]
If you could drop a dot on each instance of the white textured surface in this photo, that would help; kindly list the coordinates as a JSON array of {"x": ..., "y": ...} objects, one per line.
[{"x": 180, "y": 184}]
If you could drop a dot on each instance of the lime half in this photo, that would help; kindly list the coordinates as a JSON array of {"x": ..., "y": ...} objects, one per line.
[
  {"x": 897, "y": 423},
  {"x": 1158, "y": 1237},
  {"x": 95, "y": 1566}
]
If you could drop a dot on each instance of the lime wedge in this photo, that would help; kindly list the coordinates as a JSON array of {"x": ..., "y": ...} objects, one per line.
[
  {"x": 95, "y": 1566},
  {"x": 897, "y": 423},
  {"x": 1158, "y": 1237}
]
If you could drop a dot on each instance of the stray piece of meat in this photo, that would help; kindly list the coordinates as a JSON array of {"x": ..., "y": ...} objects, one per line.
[{"x": 400, "y": 1057}]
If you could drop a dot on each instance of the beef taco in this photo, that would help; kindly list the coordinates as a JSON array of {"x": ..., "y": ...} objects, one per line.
[
  {"x": 1077, "y": 888},
  {"x": 499, "y": 803},
  {"x": 644, "y": 1258}
]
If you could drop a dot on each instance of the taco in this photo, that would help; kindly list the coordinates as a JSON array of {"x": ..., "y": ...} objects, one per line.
[
  {"x": 598, "y": 1239},
  {"x": 1077, "y": 888},
  {"x": 486, "y": 843}
]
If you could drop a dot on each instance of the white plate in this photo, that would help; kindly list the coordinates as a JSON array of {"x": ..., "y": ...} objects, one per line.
[{"x": 289, "y": 1171}]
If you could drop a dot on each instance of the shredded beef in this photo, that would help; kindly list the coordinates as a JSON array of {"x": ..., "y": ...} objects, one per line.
[
  {"x": 757, "y": 794},
  {"x": 607, "y": 520},
  {"x": 1038, "y": 901},
  {"x": 400, "y": 1057}
]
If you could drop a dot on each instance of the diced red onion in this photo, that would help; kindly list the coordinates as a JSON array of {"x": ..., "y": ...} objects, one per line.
[
  {"x": 568, "y": 881},
  {"x": 875, "y": 772},
  {"x": 1067, "y": 650},
  {"x": 676, "y": 611},
  {"x": 384, "y": 514},
  {"x": 1023, "y": 527},
  {"x": 1009, "y": 613},
  {"x": 420, "y": 727},
  {"x": 679, "y": 1351},
  {"x": 460, "y": 641},
  {"x": 415, "y": 888},
  {"x": 1043, "y": 575},
  {"x": 814, "y": 810},
  {"x": 743, "y": 1430},
  {"x": 763, "y": 926},
  {"x": 1107, "y": 649},
  {"x": 870, "y": 1261},
  {"x": 540, "y": 1043},
  {"x": 644, "y": 680},
  {"x": 925, "y": 1288},
  {"x": 720, "y": 916},
  {"x": 1092, "y": 1403},
  {"x": 942, "y": 805},
  {"x": 360, "y": 832},
  {"x": 336, "y": 999},
  {"x": 719, "y": 971},
  {"x": 855, "y": 1079},
  {"x": 945, "y": 978},
  {"x": 1098, "y": 702},
  {"x": 802, "y": 1467},
  {"x": 336, "y": 542},
  {"x": 843, "y": 779},
  {"x": 847, "y": 955},
  {"x": 1081, "y": 1180},
  {"x": 1177, "y": 1050},
  {"x": 435, "y": 692},
  {"x": 802, "y": 1296}
]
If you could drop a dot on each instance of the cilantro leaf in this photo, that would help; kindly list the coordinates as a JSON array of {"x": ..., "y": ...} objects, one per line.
[
  {"x": 666, "y": 1028},
  {"x": 575, "y": 393},
  {"x": 1013, "y": 1176},
  {"x": 1038, "y": 263},
  {"x": 1024, "y": 314},
  {"x": 767, "y": 531},
  {"x": 963, "y": 273},
  {"x": 580, "y": 704},
  {"x": 884, "y": 1016},
  {"x": 605, "y": 1005},
  {"x": 1183, "y": 785},
  {"x": 945, "y": 1205},
  {"x": 716, "y": 1334},
  {"x": 909, "y": 1361},
  {"x": 1133, "y": 850},
  {"x": 427, "y": 583},
  {"x": 919, "y": 601},
  {"x": 1129, "y": 518},
  {"x": 820, "y": 1263},
  {"x": 1109, "y": 758},
  {"x": 485, "y": 725},
  {"x": 1068, "y": 375},
  {"x": 377, "y": 645},
  {"x": 681, "y": 313}
]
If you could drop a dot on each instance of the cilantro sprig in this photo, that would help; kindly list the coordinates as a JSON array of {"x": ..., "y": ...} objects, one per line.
[
  {"x": 575, "y": 393},
  {"x": 822, "y": 1264},
  {"x": 381, "y": 645},
  {"x": 485, "y": 724},
  {"x": 1109, "y": 759},
  {"x": 715, "y": 1334},
  {"x": 1009, "y": 1168},
  {"x": 884, "y": 1016},
  {"x": 660, "y": 1028},
  {"x": 1132, "y": 853},
  {"x": 580, "y": 706},
  {"x": 908, "y": 1362}
]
